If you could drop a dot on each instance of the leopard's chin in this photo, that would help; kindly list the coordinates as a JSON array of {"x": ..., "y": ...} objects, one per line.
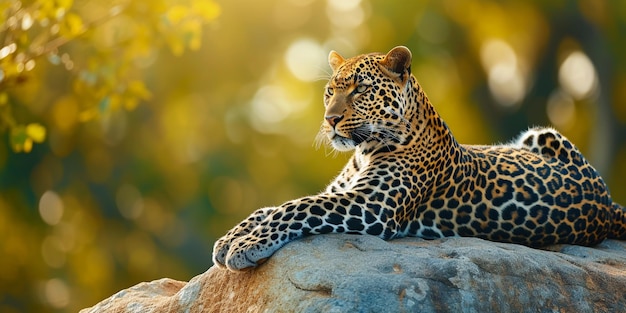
[{"x": 342, "y": 143}]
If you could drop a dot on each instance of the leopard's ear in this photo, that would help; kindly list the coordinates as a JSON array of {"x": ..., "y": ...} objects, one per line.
[
  {"x": 335, "y": 60},
  {"x": 397, "y": 63}
]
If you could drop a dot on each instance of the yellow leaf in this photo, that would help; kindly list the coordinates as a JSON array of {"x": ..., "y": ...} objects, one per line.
[
  {"x": 177, "y": 13},
  {"x": 176, "y": 45},
  {"x": 88, "y": 114},
  {"x": 65, "y": 4},
  {"x": 4, "y": 98},
  {"x": 208, "y": 10},
  {"x": 142, "y": 43},
  {"x": 64, "y": 113},
  {"x": 130, "y": 103},
  {"x": 19, "y": 139},
  {"x": 28, "y": 145},
  {"x": 46, "y": 9},
  {"x": 9, "y": 68},
  {"x": 195, "y": 42},
  {"x": 73, "y": 25},
  {"x": 139, "y": 90},
  {"x": 193, "y": 34},
  {"x": 36, "y": 132},
  {"x": 115, "y": 102}
]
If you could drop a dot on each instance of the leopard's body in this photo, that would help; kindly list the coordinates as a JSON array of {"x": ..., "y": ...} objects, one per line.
[{"x": 410, "y": 177}]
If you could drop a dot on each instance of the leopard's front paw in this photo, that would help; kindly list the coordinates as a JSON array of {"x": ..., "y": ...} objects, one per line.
[
  {"x": 250, "y": 251},
  {"x": 221, "y": 246},
  {"x": 220, "y": 250}
]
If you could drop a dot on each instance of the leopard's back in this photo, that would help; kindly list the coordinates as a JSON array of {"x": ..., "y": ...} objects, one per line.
[{"x": 512, "y": 193}]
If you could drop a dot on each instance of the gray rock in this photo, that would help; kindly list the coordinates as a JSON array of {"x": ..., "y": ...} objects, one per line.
[{"x": 351, "y": 273}]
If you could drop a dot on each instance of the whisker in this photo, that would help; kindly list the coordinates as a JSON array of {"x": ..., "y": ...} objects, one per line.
[
  {"x": 325, "y": 74},
  {"x": 320, "y": 78},
  {"x": 321, "y": 139}
]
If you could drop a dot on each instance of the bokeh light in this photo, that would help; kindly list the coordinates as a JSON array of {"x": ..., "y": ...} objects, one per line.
[
  {"x": 129, "y": 201},
  {"x": 577, "y": 75},
  {"x": 306, "y": 60},
  {"x": 345, "y": 13},
  {"x": 561, "y": 109},
  {"x": 56, "y": 293},
  {"x": 506, "y": 83},
  {"x": 50, "y": 208}
]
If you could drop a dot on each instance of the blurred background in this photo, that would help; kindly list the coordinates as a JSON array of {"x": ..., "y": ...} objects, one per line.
[{"x": 136, "y": 133}]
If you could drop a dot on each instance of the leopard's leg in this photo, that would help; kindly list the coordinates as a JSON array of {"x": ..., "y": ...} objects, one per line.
[
  {"x": 342, "y": 212},
  {"x": 222, "y": 245}
]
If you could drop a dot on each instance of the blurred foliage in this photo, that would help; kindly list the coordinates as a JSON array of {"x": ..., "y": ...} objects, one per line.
[
  {"x": 154, "y": 126},
  {"x": 102, "y": 44}
]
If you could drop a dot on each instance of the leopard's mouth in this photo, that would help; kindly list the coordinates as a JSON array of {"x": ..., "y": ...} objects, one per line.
[
  {"x": 341, "y": 143},
  {"x": 344, "y": 140}
]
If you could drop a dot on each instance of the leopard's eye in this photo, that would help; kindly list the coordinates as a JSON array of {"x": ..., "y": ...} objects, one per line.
[
  {"x": 330, "y": 91},
  {"x": 361, "y": 88}
]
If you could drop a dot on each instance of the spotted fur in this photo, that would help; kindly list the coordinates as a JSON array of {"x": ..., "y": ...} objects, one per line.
[{"x": 410, "y": 177}]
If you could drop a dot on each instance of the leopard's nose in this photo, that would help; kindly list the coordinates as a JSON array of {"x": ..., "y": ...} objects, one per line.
[{"x": 333, "y": 119}]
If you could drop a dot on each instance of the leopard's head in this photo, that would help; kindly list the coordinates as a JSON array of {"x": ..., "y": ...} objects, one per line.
[{"x": 365, "y": 99}]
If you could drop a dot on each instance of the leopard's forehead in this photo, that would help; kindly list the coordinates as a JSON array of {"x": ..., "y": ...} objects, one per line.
[{"x": 354, "y": 69}]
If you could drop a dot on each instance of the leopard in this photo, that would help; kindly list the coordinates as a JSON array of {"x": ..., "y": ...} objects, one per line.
[{"x": 408, "y": 176}]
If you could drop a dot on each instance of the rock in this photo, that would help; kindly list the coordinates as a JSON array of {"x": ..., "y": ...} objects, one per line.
[{"x": 351, "y": 273}]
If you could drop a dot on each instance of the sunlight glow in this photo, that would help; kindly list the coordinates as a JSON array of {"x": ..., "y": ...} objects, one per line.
[
  {"x": 27, "y": 21},
  {"x": 57, "y": 293},
  {"x": 506, "y": 81},
  {"x": 305, "y": 59},
  {"x": 51, "y": 208},
  {"x": 345, "y": 13},
  {"x": 271, "y": 105},
  {"x": 561, "y": 109},
  {"x": 577, "y": 75},
  {"x": 6, "y": 50},
  {"x": 344, "y": 5}
]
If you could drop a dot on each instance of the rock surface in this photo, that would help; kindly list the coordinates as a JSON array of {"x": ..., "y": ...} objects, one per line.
[{"x": 350, "y": 273}]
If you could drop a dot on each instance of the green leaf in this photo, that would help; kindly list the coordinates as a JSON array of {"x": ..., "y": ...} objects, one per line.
[
  {"x": 19, "y": 139},
  {"x": 22, "y": 137}
]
